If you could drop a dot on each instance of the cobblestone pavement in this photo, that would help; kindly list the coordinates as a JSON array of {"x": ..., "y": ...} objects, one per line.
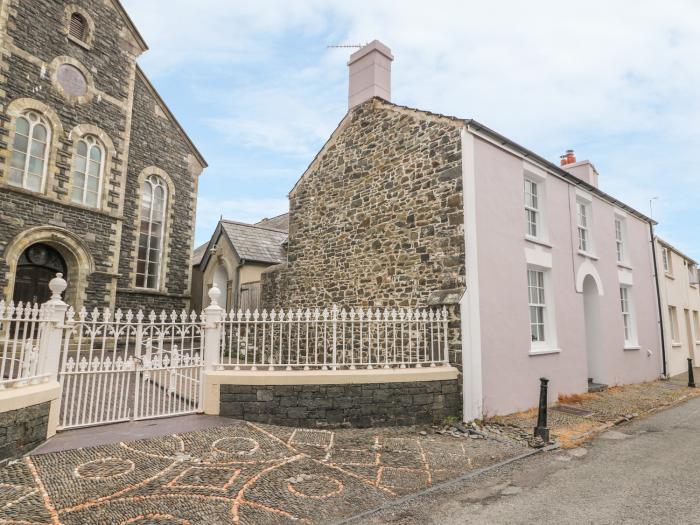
[
  {"x": 579, "y": 417},
  {"x": 243, "y": 473}
]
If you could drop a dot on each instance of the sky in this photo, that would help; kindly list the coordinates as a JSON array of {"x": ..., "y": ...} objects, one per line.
[{"x": 259, "y": 91}]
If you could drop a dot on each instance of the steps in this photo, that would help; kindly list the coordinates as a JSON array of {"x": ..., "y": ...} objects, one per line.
[{"x": 595, "y": 387}]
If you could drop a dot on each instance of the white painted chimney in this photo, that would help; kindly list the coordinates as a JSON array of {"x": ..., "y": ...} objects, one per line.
[{"x": 370, "y": 73}]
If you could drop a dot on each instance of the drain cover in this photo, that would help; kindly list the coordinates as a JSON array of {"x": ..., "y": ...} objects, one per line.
[{"x": 574, "y": 411}]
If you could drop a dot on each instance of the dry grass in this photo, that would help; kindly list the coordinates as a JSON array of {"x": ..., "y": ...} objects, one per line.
[
  {"x": 527, "y": 414},
  {"x": 574, "y": 399},
  {"x": 574, "y": 435}
]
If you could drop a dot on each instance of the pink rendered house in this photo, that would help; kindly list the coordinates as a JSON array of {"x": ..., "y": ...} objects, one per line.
[{"x": 560, "y": 279}]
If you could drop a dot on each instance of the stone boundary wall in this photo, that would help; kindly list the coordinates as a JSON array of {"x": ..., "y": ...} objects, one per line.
[
  {"x": 23, "y": 430},
  {"x": 345, "y": 405}
]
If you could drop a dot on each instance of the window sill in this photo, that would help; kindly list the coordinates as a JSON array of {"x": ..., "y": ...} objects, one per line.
[
  {"x": 79, "y": 42},
  {"x": 147, "y": 291},
  {"x": 536, "y": 240},
  {"x": 544, "y": 351},
  {"x": 670, "y": 275},
  {"x": 631, "y": 347},
  {"x": 676, "y": 345},
  {"x": 588, "y": 255},
  {"x": 625, "y": 266},
  {"x": 40, "y": 195}
]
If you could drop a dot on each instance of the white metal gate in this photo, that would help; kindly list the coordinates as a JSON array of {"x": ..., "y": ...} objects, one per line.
[{"x": 121, "y": 367}]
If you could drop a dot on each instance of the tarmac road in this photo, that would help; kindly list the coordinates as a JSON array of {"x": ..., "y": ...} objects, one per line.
[{"x": 644, "y": 472}]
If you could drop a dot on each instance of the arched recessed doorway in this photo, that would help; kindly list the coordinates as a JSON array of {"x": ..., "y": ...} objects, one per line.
[
  {"x": 36, "y": 266},
  {"x": 63, "y": 247},
  {"x": 594, "y": 339},
  {"x": 221, "y": 282}
]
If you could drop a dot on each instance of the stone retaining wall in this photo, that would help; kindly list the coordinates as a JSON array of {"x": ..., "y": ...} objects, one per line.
[
  {"x": 349, "y": 405},
  {"x": 23, "y": 430}
]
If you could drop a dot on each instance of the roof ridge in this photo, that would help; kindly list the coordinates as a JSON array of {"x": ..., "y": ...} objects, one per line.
[
  {"x": 270, "y": 218},
  {"x": 238, "y": 223},
  {"x": 418, "y": 110}
]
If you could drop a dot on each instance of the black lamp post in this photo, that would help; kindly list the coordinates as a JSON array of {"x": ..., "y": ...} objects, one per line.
[
  {"x": 541, "y": 429},
  {"x": 691, "y": 376}
]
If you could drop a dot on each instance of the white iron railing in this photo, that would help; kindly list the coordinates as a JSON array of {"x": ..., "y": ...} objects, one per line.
[
  {"x": 334, "y": 339},
  {"x": 20, "y": 335},
  {"x": 116, "y": 366}
]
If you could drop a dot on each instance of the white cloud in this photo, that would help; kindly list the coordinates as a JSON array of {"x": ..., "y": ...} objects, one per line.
[{"x": 618, "y": 80}]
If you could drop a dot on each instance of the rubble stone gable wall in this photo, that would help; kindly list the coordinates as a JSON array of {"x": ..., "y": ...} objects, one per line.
[{"x": 378, "y": 218}]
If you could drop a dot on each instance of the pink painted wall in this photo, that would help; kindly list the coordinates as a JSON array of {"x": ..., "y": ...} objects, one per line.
[{"x": 510, "y": 374}]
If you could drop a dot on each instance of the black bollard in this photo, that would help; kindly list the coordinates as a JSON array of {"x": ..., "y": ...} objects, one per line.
[
  {"x": 691, "y": 376},
  {"x": 541, "y": 429}
]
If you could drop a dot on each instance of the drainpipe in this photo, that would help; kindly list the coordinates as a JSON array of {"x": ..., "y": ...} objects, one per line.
[
  {"x": 658, "y": 298},
  {"x": 237, "y": 286}
]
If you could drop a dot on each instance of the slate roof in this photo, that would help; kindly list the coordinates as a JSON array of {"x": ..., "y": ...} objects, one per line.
[
  {"x": 198, "y": 253},
  {"x": 480, "y": 128},
  {"x": 255, "y": 243},
  {"x": 281, "y": 222}
]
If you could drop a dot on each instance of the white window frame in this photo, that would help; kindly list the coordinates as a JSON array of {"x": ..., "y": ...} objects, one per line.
[
  {"x": 533, "y": 175},
  {"x": 692, "y": 274},
  {"x": 620, "y": 225},
  {"x": 584, "y": 225},
  {"x": 548, "y": 344},
  {"x": 154, "y": 181},
  {"x": 629, "y": 319},
  {"x": 666, "y": 257},
  {"x": 40, "y": 120},
  {"x": 675, "y": 328},
  {"x": 100, "y": 176},
  {"x": 696, "y": 326},
  {"x": 532, "y": 210}
]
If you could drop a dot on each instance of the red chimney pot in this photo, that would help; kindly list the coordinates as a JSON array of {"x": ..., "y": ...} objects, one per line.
[{"x": 568, "y": 158}]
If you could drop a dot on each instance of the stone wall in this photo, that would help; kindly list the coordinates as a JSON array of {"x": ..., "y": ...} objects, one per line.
[
  {"x": 156, "y": 142},
  {"x": 377, "y": 219},
  {"x": 23, "y": 430},
  {"x": 355, "y": 405}
]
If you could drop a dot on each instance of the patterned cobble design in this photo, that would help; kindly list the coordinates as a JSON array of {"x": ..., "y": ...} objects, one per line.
[{"x": 245, "y": 473}]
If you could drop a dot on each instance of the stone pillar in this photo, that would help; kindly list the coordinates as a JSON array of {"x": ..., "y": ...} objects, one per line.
[
  {"x": 52, "y": 336},
  {"x": 213, "y": 326},
  {"x": 50, "y": 344}
]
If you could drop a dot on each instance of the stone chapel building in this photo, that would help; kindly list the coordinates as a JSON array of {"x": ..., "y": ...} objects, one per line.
[{"x": 98, "y": 180}]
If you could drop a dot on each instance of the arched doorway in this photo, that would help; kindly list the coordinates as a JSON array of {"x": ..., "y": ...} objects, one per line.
[
  {"x": 77, "y": 263},
  {"x": 594, "y": 340},
  {"x": 36, "y": 266},
  {"x": 221, "y": 282}
]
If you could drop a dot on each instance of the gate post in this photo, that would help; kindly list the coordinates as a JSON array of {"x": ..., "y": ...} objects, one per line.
[
  {"x": 213, "y": 315},
  {"x": 213, "y": 327},
  {"x": 52, "y": 335}
]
